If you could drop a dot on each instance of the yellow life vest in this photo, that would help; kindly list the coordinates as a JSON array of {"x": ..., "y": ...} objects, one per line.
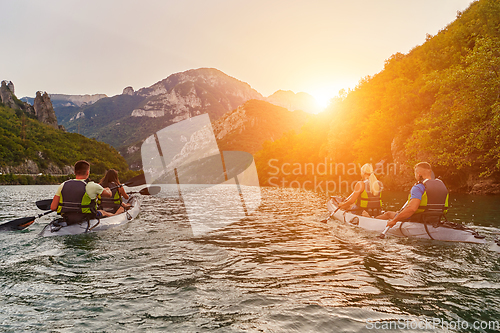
[{"x": 368, "y": 200}]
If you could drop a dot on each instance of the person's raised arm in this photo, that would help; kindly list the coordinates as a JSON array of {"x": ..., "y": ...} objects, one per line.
[
  {"x": 123, "y": 193},
  {"x": 106, "y": 192}
]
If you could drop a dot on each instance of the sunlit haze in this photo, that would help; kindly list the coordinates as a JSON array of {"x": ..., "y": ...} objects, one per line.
[{"x": 318, "y": 47}]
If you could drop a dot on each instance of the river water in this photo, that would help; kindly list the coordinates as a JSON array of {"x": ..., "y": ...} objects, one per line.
[{"x": 277, "y": 270}]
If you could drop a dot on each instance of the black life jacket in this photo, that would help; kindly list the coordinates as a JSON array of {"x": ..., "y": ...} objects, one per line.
[
  {"x": 434, "y": 202},
  {"x": 75, "y": 204}
]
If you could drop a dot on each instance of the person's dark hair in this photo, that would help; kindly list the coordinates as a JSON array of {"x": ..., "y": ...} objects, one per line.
[
  {"x": 423, "y": 165},
  {"x": 81, "y": 167},
  {"x": 111, "y": 176}
]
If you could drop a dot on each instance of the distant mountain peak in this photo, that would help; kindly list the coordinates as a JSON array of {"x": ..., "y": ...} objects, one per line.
[{"x": 193, "y": 92}]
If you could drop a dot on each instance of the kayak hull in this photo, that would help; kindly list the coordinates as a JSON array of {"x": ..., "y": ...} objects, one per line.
[
  {"x": 52, "y": 229},
  {"x": 405, "y": 229}
]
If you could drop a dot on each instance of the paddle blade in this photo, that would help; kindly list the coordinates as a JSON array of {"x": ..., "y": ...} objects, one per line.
[
  {"x": 44, "y": 204},
  {"x": 18, "y": 224},
  {"x": 136, "y": 181},
  {"x": 152, "y": 190}
]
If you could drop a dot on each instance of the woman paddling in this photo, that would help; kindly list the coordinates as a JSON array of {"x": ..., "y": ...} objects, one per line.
[
  {"x": 113, "y": 205},
  {"x": 366, "y": 195}
]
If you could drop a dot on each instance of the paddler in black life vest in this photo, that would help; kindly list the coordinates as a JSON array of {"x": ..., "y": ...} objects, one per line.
[
  {"x": 427, "y": 202},
  {"x": 113, "y": 204},
  {"x": 75, "y": 199},
  {"x": 366, "y": 195}
]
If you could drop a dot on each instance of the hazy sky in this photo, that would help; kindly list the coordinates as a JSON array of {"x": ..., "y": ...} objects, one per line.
[{"x": 88, "y": 47}]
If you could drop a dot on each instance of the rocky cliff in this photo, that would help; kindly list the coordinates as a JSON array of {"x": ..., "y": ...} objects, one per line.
[
  {"x": 9, "y": 99},
  {"x": 44, "y": 110},
  {"x": 6, "y": 94}
]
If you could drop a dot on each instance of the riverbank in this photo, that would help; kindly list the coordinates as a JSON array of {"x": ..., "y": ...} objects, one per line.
[
  {"x": 47, "y": 179},
  {"x": 14, "y": 179}
]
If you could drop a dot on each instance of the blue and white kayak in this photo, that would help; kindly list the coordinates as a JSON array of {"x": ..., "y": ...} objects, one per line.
[
  {"x": 445, "y": 231},
  {"x": 58, "y": 228}
]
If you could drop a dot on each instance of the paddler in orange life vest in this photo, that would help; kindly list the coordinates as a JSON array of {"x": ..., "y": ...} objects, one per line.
[
  {"x": 75, "y": 199},
  {"x": 427, "y": 202},
  {"x": 366, "y": 195}
]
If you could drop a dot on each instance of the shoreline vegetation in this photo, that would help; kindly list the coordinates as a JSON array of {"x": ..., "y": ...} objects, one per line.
[{"x": 47, "y": 179}]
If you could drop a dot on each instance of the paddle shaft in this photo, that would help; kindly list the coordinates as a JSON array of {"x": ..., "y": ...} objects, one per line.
[
  {"x": 382, "y": 235},
  {"x": 326, "y": 220}
]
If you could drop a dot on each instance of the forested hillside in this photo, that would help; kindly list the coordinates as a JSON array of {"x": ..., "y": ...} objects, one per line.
[
  {"x": 438, "y": 103},
  {"x": 28, "y": 145}
]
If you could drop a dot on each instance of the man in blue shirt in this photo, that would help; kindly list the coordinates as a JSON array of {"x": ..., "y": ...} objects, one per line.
[{"x": 423, "y": 173}]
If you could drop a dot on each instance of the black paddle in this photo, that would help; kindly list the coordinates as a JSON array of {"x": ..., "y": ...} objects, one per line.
[
  {"x": 152, "y": 190},
  {"x": 44, "y": 204},
  {"x": 21, "y": 223},
  {"x": 135, "y": 181}
]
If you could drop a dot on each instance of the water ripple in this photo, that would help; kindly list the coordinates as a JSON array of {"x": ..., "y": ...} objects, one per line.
[{"x": 278, "y": 270}]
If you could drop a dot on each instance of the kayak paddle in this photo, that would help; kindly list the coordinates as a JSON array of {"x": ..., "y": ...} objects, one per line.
[
  {"x": 152, "y": 190},
  {"x": 135, "y": 181},
  {"x": 21, "y": 223},
  {"x": 44, "y": 204},
  {"x": 382, "y": 235},
  {"x": 326, "y": 220}
]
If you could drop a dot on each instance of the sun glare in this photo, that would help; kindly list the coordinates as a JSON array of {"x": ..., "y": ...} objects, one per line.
[{"x": 322, "y": 98}]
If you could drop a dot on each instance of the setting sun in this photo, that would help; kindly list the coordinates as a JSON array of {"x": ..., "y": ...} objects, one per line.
[
  {"x": 323, "y": 95},
  {"x": 322, "y": 98}
]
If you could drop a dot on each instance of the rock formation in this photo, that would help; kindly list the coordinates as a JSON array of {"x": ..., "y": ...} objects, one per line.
[
  {"x": 7, "y": 95},
  {"x": 128, "y": 91},
  {"x": 44, "y": 110},
  {"x": 8, "y": 98}
]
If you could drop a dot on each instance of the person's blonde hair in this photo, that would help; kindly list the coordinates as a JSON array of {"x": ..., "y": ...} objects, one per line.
[{"x": 374, "y": 183}]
